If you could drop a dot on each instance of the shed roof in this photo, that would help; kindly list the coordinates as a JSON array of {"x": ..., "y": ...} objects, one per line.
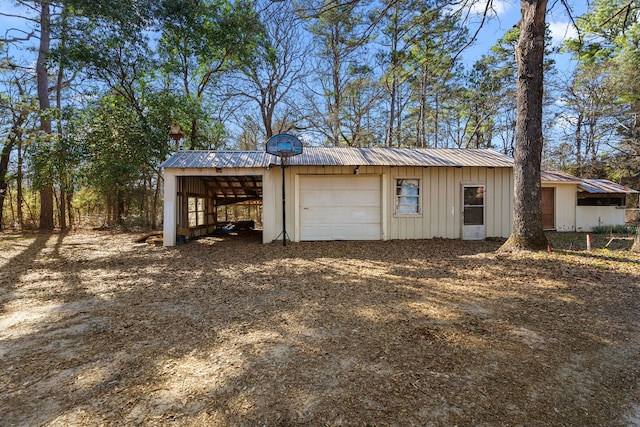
[
  {"x": 218, "y": 159},
  {"x": 592, "y": 186},
  {"x": 558, "y": 177},
  {"x": 342, "y": 156}
]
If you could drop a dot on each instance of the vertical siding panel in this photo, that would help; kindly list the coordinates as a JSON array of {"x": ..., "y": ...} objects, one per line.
[
  {"x": 443, "y": 211},
  {"x": 392, "y": 208},
  {"x": 434, "y": 202},
  {"x": 453, "y": 202},
  {"x": 391, "y": 191},
  {"x": 507, "y": 197},
  {"x": 511, "y": 190},
  {"x": 492, "y": 200},
  {"x": 417, "y": 226},
  {"x": 503, "y": 204},
  {"x": 466, "y": 175},
  {"x": 384, "y": 206},
  {"x": 482, "y": 179},
  {"x": 425, "y": 229},
  {"x": 402, "y": 221}
]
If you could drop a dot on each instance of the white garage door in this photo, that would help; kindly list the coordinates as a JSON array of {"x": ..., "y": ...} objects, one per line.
[{"x": 340, "y": 208}]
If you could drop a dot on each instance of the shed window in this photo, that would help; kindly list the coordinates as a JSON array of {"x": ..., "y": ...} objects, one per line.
[
  {"x": 407, "y": 196},
  {"x": 196, "y": 211}
]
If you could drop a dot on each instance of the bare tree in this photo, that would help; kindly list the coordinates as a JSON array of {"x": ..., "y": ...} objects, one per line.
[{"x": 279, "y": 68}]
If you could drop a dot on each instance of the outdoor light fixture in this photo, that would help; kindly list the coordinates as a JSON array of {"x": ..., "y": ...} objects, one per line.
[
  {"x": 356, "y": 171},
  {"x": 218, "y": 170},
  {"x": 175, "y": 132},
  {"x": 284, "y": 146}
]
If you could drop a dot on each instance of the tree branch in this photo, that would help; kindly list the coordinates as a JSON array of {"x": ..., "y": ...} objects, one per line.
[{"x": 17, "y": 39}]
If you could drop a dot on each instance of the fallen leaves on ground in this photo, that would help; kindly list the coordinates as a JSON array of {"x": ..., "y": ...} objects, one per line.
[{"x": 223, "y": 331}]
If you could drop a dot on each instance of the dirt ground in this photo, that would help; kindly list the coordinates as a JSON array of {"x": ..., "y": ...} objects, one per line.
[{"x": 98, "y": 330}]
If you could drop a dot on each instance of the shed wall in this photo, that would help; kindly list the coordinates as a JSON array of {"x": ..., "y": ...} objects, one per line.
[
  {"x": 441, "y": 199},
  {"x": 589, "y": 217},
  {"x": 565, "y": 206}
]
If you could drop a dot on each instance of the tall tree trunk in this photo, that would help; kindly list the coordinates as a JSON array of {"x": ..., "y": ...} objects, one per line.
[
  {"x": 62, "y": 154},
  {"x": 70, "y": 208},
  {"x": 527, "y": 233},
  {"x": 436, "y": 120},
  {"x": 156, "y": 197},
  {"x": 422, "y": 110},
  {"x": 46, "y": 193},
  {"x": 19, "y": 197},
  {"x": 4, "y": 165},
  {"x": 120, "y": 206},
  {"x": 579, "y": 145},
  {"x": 394, "y": 65}
]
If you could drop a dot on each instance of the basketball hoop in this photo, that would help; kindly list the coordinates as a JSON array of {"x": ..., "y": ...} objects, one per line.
[{"x": 284, "y": 146}]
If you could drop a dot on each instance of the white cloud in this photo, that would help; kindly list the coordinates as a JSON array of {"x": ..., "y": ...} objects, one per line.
[
  {"x": 561, "y": 31},
  {"x": 497, "y": 7}
]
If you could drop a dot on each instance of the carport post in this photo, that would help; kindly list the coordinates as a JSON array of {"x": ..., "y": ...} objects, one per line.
[{"x": 169, "y": 219}]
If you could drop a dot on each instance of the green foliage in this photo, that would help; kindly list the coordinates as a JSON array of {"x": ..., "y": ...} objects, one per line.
[
  {"x": 608, "y": 51},
  {"x": 200, "y": 40},
  {"x": 118, "y": 147},
  {"x": 89, "y": 201},
  {"x": 616, "y": 229}
]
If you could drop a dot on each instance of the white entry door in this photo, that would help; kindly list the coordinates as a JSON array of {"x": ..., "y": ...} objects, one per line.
[
  {"x": 340, "y": 207},
  {"x": 473, "y": 227}
]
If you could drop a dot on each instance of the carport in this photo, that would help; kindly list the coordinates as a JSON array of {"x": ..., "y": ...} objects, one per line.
[{"x": 199, "y": 184}]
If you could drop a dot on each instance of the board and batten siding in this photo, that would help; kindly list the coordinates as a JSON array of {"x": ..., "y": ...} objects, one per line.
[
  {"x": 441, "y": 199},
  {"x": 564, "y": 205}
]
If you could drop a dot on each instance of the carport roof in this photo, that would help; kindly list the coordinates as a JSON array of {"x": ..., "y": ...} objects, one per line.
[
  {"x": 592, "y": 186},
  {"x": 342, "y": 156}
]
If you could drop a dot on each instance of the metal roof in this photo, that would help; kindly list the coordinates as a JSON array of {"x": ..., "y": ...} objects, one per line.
[
  {"x": 218, "y": 159},
  {"x": 595, "y": 186},
  {"x": 342, "y": 156},
  {"x": 558, "y": 177},
  {"x": 592, "y": 186}
]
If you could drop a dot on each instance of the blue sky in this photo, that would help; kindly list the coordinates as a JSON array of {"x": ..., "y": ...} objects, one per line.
[{"x": 506, "y": 13}]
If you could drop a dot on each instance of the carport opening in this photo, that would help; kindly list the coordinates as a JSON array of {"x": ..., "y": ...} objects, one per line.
[{"x": 219, "y": 205}]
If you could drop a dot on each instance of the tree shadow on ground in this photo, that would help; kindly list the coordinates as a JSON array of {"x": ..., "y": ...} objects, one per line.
[{"x": 427, "y": 332}]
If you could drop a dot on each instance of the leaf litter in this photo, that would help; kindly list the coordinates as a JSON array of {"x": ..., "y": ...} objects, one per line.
[{"x": 96, "y": 329}]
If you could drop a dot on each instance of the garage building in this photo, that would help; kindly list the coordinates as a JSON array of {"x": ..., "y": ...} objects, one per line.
[{"x": 344, "y": 193}]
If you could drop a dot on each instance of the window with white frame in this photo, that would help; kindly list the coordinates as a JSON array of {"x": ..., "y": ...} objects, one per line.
[
  {"x": 407, "y": 196},
  {"x": 196, "y": 211}
]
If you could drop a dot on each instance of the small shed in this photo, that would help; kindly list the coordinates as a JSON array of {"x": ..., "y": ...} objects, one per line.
[
  {"x": 345, "y": 193},
  {"x": 570, "y": 203}
]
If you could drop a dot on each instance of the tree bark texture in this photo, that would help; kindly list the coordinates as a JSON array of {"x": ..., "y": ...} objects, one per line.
[
  {"x": 46, "y": 193},
  {"x": 4, "y": 166},
  {"x": 527, "y": 233}
]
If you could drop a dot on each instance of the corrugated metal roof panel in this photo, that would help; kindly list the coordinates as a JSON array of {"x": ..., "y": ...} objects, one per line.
[
  {"x": 351, "y": 156},
  {"x": 342, "y": 156},
  {"x": 218, "y": 159},
  {"x": 592, "y": 186},
  {"x": 558, "y": 177},
  {"x": 604, "y": 186}
]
